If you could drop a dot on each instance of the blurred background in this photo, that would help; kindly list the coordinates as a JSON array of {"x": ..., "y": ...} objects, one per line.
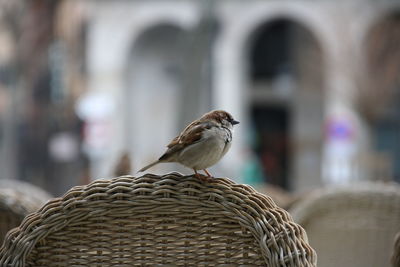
[{"x": 87, "y": 86}]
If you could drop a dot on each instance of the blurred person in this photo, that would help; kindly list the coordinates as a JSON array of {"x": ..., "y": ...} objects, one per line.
[
  {"x": 252, "y": 171},
  {"x": 123, "y": 166},
  {"x": 395, "y": 259}
]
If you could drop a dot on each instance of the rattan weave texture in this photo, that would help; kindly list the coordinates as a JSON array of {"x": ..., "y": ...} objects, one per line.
[
  {"x": 18, "y": 199},
  {"x": 169, "y": 220},
  {"x": 352, "y": 225}
]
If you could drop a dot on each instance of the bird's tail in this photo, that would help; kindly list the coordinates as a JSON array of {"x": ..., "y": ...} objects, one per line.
[{"x": 149, "y": 166}]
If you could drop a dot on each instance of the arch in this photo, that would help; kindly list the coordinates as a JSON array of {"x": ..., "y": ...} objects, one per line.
[
  {"x": 304, "y": 18},
  {"x": 290, "y": 30},
  {"x": 231, "y": 81},
  {"x": 382, "y": 97},
  {"x": 383, "y": 56},
  {"x": 285, "y": 78},
  {"x": 382, "y": 13},
  {"x": 153, "y": 85}
]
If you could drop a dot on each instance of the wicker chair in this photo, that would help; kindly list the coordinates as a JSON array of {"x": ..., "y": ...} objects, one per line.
[
  {"x": 351, "y": 226},
  {"x": 281, "y": 197},
  {"x": 18, "y": 199},
  {"x": 169, "y": 220}
]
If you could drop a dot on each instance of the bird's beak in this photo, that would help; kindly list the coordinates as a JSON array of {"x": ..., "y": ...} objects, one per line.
[{"x": 235, "y": 122}]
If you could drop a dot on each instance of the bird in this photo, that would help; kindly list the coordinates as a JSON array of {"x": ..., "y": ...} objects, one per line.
[{"x": 201, "y": 144}]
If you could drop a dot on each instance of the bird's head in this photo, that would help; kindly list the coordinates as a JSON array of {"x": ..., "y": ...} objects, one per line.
[{"x": 221, "y": 117}]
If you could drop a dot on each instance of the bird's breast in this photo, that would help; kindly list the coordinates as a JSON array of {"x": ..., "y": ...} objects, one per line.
[{"x": 213, "y": 145}]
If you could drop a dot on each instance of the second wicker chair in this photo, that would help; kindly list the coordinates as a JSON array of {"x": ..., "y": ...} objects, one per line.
[
  {"x": 351, "y": 226},
  {"x": 18, "y": 199}
]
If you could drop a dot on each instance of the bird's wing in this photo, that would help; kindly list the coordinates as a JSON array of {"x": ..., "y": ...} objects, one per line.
[
  {"x": 184, "y": 133},
  {"x": 192, "y": 134}
]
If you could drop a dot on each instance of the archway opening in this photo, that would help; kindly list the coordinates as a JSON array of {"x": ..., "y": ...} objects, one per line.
[
  {"x": 154, "y": 84},
  {"x": 382, "y": 100},
  {"x": 285, "y": 103}
]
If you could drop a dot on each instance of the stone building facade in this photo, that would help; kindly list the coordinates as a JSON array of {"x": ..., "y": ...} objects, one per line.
[{"x": 297, "y": 74}]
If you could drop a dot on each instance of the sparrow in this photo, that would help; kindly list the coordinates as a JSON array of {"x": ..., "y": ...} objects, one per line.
[{"x": 201, "y": 144}]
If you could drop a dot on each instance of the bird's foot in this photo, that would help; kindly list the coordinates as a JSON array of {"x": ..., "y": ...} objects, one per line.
[{"x": 203, "y": 177}]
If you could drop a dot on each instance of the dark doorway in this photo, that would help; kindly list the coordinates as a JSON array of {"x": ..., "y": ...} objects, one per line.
[
  {"x": 386, "y": 135},
  {"x": 286, "y": 104},
  {"x": 271, "y": 53},
  {"x": 272, "y": 73},
  {"x": 271, "y": 146},
  {"x": 381, "y": 103}
]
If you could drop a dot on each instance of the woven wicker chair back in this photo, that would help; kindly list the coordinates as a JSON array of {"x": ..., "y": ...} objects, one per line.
[
  {"x": 18, "y": 199},
  {"x": 169, "y": 220},
  {"x": 351, "y": 226}
]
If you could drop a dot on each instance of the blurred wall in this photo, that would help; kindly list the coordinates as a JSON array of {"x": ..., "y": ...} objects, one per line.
[
  {"x": 327, "y": 136},
  {"x": 313, "y": 84}
]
